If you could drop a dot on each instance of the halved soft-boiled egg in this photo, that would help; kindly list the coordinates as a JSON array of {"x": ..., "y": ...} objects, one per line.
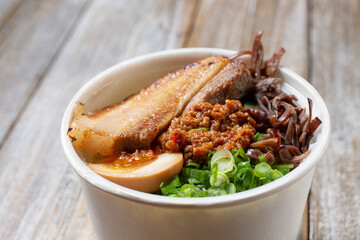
[{"x": 145, "y": 178}]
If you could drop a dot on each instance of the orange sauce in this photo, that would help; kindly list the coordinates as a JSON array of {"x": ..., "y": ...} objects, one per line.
[{"x": 131, "y": 161}]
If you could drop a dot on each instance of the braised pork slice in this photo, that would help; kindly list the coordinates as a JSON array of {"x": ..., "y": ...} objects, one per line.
[
  {"x": 136, "y": 122},
  {"x": 232, "y": 82}
]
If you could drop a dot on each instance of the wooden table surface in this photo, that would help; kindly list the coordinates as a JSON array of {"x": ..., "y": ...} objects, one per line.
[{"x": 50, "y": 48}]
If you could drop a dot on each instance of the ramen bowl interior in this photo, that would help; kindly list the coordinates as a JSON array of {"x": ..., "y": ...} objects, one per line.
[{"x": 272, "y": 211}]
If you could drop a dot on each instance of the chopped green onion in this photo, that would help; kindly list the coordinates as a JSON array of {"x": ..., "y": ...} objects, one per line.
[
  {"x": 214, "y": 172},
  {"x": 274, "y": 174},
  {"x": 261, "y": 169},
  {"x": 250, "y": 105},
  {"x": 194, "y": 181},
  {"x": 244, "y": 164},
  {"x": 258, "y": 136},
  {"x": 203, "y": 176},
  {"x": 242, "y": 154},
  {"x": 262, "y": 159},
  {"x": 211, "y": 192},
  {"x": 236, "y": 159},
  {"x": 205, "y": 167},
  {"x": 219, "y": 180},
  {"x": 254, "y": 182},
  {"x": 174, "y": 195},
  {"x": 231, "y": 188},
  {"x": 265, "y": 180},
  {"x": 243, "y": 178},
  {"x": 224, "y": 160},
  {"x": 224, "y": 173},
  {"x": 232, "y": 173},
  {"x": 192, "y": 164},
  {"x": 208, "y": 158},
  {"x": 284, "y": 168},
  {"x": 190, "y": 190},
  {"x": 170, "y": 186}
]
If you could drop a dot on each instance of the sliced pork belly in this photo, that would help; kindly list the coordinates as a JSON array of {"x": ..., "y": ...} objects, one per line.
[
  {"x": 232, "y": 82},
  {"x": 136, "y": 122}
]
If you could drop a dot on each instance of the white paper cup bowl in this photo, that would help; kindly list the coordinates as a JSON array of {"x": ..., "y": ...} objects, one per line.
[{"x": 272, "y": 211}]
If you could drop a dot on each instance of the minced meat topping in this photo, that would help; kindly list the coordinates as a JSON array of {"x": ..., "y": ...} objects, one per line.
[{"x": 206, "y": 128}]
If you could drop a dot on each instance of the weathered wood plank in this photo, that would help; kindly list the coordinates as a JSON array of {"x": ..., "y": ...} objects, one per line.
[
  {"x": 7, "y": 9},
  {"x": 39, "y": 192},
  {"x": 29, "y": 42},
  {"x": 233, "y": 25},
  {"x": 335, "y": 195}
]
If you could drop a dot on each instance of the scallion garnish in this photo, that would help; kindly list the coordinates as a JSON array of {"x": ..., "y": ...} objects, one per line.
[
  {"x": 243, "y": 178},
  {"x": 240, "y": 152},
  {"x": 170, "y": 187},
  {"x": 203, "y": 176},
  {"x": 284, "y": 168},
  {"x": 231, "y": 188},
  {"x": 219, "y": 180},
  {"x": 223, "y": 173},
  {"x": 211, "y": 192},
  {"x": 274, "y": 174},
  {"x": 258, "y": 136},
  {"x": 251, "y": 104},
  {"x": 261, "y": 169},
  {"x": 262, "y": 159},
  {"x": 192, "y": 164},
  {"x": 224, "y": 159}
]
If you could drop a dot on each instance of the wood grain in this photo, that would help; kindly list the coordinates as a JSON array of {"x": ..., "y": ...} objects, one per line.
[
  {"x": 40, "y": 195},
  {"x": 30, "y": 40},
  {"x": 233, "y": 25},
  {"x": 7, "y": 9},
  {"x": 335, "y": 195}
]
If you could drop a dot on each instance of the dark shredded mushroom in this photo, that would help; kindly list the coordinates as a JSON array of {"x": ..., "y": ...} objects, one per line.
[
  {"x": 289, "y": 127},
  {"x": 273, "y": 63},
  {"x": 240, "y": 54},
  {"x": 255, "y": 154},
  {"x": 299, "y": 158},
  {"x": 257, "y": 55},
  {"x": 268, "y": 87}
]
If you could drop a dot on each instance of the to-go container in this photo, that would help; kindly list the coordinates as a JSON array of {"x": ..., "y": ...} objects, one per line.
[{"x": 272, "y": 211}]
